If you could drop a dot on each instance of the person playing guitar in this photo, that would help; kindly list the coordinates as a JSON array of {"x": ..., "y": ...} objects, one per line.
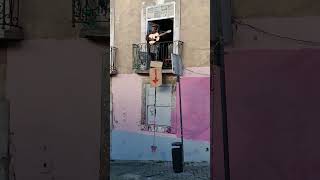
[
  {"x": 152, "y": 39},
  {"x": 153, "y": 49}
]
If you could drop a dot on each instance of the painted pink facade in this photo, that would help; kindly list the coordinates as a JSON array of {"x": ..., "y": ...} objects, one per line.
[
  {"x": 126, "y": 102},
  {"x": 127, "y": 94},
  {"x": 127, "y": 90},
  {"x": 272, "y": 98},
  {"x": 195, "y": 101}
]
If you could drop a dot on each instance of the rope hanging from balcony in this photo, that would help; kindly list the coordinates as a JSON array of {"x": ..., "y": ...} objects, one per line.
[{"x": 154, "y": 147}]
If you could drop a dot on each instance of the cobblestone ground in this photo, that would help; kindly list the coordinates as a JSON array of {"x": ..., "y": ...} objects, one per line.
[{"x": 141, "y": 170}]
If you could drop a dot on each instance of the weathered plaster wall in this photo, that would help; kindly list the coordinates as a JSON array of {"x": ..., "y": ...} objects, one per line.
[
  {"x": 273, "y": 115},
  {"x": 4, "y": 122},
  {"x": 304, "y": 28},
  {"x": 127, "y": 32},
  {"x": 2, "y": 80},
  {"x": 127, "y": 92},
  {"x": 3, "y": 70},
  {"x": 276, "y": 8},
  {"x": 54, "y": 85},
  {"x": 195, "y": 97},
  {"x": 54, "y": 90},
  {"x": 4, "y": 114},
  {"x": 47, "y": 19},
  {"x": 287, "y": 18},
  {"x": 194, "y": 31},
  {"x": 127, "y": 133}
]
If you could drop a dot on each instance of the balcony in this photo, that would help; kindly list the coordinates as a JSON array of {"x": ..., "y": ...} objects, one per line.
[
  {"x": 94, "y": 18},
  {"x": 9, "y": 20},
  {"x": 141, "y": 57},
  {"x": 113, "y": 62}
]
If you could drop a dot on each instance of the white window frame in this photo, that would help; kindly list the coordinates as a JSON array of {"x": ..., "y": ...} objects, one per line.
[
  {"x": 146, "y": 105},
  {"x": 176, "y": 22},
  {"x": 146, "y": 126}
]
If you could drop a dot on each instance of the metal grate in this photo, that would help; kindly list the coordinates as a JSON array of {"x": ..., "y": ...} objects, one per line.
[
  {"x": 9, "y": 14},
  {"x": 90, "y": 12}
]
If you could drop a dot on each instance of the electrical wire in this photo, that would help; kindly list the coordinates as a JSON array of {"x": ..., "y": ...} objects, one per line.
[
  {"x": 211, "y": 49},
  {"x": 239, "y": 22},
  {"x": 154, "y": 147},
  {"x": 301, "y": 41}
]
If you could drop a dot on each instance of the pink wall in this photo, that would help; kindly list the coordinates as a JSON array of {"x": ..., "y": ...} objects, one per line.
[
  {"x": 195, "y": 102},
  {"x": 127, "y": 92},
  {"x": 54, "y": 90},
  {"x": 127, "y": 101},
  {"x": 272, "y": 98}
]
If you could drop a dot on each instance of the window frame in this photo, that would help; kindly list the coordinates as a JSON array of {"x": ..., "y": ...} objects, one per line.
[
  {"x": 176, "y": 21},
  {"x": 144, "y": 121}
]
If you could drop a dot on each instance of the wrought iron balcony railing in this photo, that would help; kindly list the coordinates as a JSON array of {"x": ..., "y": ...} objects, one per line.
[
  {"x": 10, "y": 28},
  {"x": 113, "y": 62},
  {"x": 143, "y": 54},
  {"x": 90, "y": 12},
  {"x": 9, "y": 14}
]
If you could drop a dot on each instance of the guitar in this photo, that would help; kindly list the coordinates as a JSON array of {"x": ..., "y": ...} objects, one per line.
[{"x": 156, "y": 37}]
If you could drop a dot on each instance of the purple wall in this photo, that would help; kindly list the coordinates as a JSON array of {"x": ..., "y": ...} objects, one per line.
[
  {"x": 54, "y": 90},
  {"x": 273, "y": 112}
]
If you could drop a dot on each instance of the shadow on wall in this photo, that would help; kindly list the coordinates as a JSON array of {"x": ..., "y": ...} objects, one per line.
[{"x": 273, "y": 115}]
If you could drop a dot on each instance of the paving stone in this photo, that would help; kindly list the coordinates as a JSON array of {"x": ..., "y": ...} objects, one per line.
[{"x": 151, "y": 170}]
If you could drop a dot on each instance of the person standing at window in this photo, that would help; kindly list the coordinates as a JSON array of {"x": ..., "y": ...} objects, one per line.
[{"x": 153, "y": 49}]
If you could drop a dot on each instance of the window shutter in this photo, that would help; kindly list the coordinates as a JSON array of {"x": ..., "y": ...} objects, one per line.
[{"x": 163, "y": 105}]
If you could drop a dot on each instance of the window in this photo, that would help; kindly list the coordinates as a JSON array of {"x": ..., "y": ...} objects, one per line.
[
  {"x": 168, "y": 12},
  {"x": 165, "y": 45},
  {"x": 161, "y": 100},
  {"x": 164, "y": 25},
  {"x": 164, "y": 16}
]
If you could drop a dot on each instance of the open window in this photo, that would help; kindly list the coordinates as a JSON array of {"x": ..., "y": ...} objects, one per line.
[
  {"x": 167, "y": 16},
  {"x": 164, "y": 25},
  {"x": 165, "y": 44}
]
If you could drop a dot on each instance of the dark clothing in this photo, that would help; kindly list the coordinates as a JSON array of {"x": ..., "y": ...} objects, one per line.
[{"x": 153, "y": 50}]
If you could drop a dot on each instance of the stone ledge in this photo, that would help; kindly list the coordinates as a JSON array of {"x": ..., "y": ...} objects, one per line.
[{"x": 96, "y": 33}]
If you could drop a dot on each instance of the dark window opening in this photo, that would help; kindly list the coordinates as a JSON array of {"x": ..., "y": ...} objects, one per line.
[
  {"x": 164, "y": 25},
  {"x": 165, "y": 44}
]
